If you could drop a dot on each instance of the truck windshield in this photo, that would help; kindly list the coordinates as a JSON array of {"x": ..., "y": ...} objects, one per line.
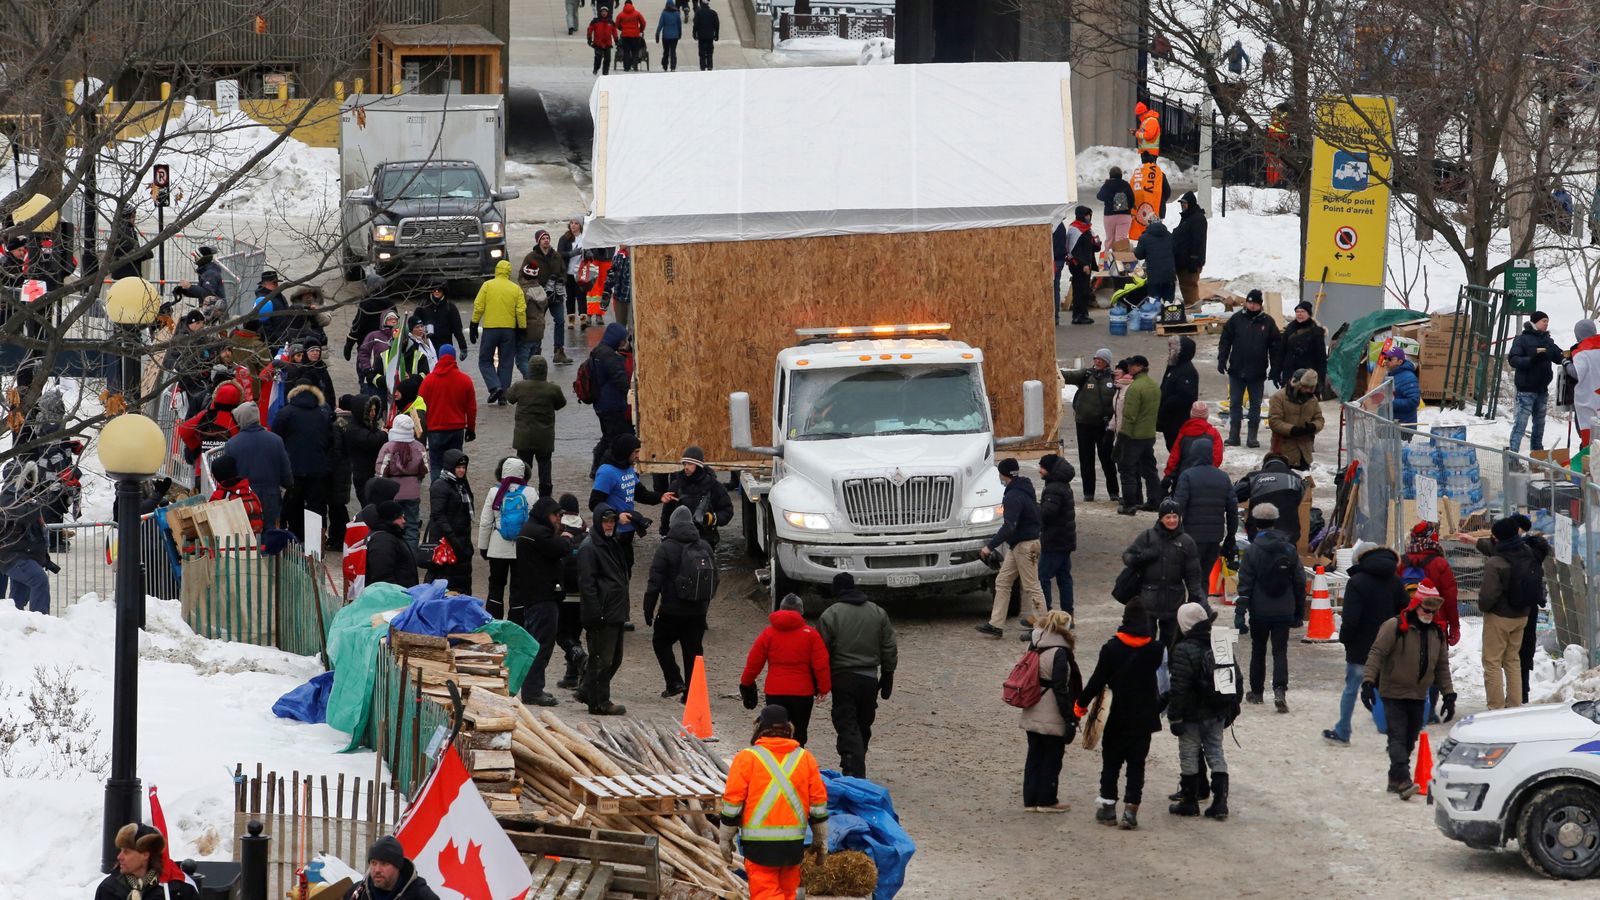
[
  {"x": 433, "y": 184},
  {"x": 843, "y": 403}
]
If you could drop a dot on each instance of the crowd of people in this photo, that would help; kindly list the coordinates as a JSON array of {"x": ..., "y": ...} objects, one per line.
[{"x": 625, "y": 31}]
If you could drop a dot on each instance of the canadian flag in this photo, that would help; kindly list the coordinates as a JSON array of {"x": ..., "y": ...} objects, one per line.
[
  {"x": 354, "y": 561},
  {"x": 455, "y": 843}
]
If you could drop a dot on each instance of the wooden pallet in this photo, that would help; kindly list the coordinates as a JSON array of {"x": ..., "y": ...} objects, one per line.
[
  {"x": 634, "y": 858},
  {"x": 569, "y": 879},
  {"x": 1207, "y": 326},
  {"x": 657, "y": 794}
]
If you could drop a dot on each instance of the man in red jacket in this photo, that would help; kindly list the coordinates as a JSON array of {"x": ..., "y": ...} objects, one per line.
[
  {"x": 212, "y": 426},
  {"x": 602, "y": 37},
  {"x": 1198, "y": 425},
  {"x": 796, "y": 661},
  {"x": 452, "y": 404},
  {"x": 1425, "y": 558},
  {"x": 630, "y": 25}
]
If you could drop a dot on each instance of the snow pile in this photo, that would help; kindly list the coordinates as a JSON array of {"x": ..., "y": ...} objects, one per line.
[
  {"x": 1552, "y": 680},
  {"x": 1094, "y": 164},
  {"x": 203, "y": 707},
  {"x": 829, "y": 50},
  {"x": 876, "y": 52}
]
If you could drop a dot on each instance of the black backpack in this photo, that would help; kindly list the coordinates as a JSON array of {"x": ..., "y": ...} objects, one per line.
[
  {"x": 1279, "y": 576},
  {"x": 1525, "y": 588},
  {"x": 696, "y": 582},
  {"x": 1210, "y": 697}
]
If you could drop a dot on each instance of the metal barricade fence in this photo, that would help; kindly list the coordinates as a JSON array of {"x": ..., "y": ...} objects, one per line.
[
  {"x": 86, "y": 555},
  {"x": 1402, "y": 470}
]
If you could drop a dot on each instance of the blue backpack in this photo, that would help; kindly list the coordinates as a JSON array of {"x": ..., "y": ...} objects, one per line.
[{"x": 513, "y": 512}]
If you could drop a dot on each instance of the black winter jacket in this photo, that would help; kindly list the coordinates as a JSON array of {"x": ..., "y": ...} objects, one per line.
[
  {"x": 1021, "y": 514},
  {"x": 412, "y": 887},
  {"x": 1267, "y": 607},
  {"x": 1303, "y": 345},
  {"x": 1248, "y": 343},
  {"x": 602, "y": 576},
  {"x": 1170, "y": 570},
  {"x": 450, "y": 509},
  {"x": 1117, "y": 196},
  {"x": 1534, "y": 371},
  {"x": 1180, "y": 388},
  {"x": 1273, "y": 483},
  {"x": 389, "y": 558},
  {"x": 1189, "y": 699},
  {"x": 542, "y": 553},
  {"x": 1205, "y": 498},
  {"x": 1373, "y": 596},
  {"x": 364, "y": 436},
  {"x": 307, "y": 432},
  {"x": 700, "y": 493},
  {"x": 1189, "y": 241},
  {"x": 707, "y": 27},
  {"x": 1058, "y": 520},
  {"x": 664, "y": 569},
  {"x": 115, "y": 887},
  {"x": 1155, "y": 248},
  {"x": 1130, "y": 672},
  {"x": 443, "y": 322}
]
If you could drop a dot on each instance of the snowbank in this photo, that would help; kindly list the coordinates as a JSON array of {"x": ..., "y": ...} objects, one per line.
[
  {"x": 829, "y": 50},
  {"x": 1552, "y": 681},
  {"x": 203, "y": 706}
]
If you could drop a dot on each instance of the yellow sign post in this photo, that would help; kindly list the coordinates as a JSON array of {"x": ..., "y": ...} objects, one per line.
[{"x": 1347, "y": 225}]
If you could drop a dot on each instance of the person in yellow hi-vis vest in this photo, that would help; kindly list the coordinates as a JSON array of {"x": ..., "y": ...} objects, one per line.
[{"x": 774, "y": 790}]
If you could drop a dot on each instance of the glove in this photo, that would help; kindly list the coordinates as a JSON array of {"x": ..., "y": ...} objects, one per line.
[
  {"x": 747, "y": 693},
  {"x": 1177, "y": 727},
  {"x": 1222, "y": 367},
  {"x": 1369, "y": 695},
  {"x": 472, "y": 435},
  {"x": 1240, "y": 624},
  {"x": 1072, "y": 730},
  {"x": 819, "y": 841},
  {"x": 484, "y": 553},
  {"x": 51, "y": 567},
  {"x": 349, "y": 348},
  {"x": 886, "y": 685},
  {"x": 725, "y": 835},
  {"x": 1448, "y": 708},
  {"x": 649, "y": 618},
  {"x": 473, "y": 330},
  {"x": 461, "y": 354},
  {"x": 710, "y": 520}
]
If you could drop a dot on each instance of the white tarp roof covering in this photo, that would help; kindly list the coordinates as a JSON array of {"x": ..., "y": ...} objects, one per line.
[{"x": 756, "y": 154}]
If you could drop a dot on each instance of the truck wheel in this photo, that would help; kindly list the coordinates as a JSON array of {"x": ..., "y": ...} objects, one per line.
[
  {"x": 1559, "y": 831},
  {"x": 749, "y": 519}
]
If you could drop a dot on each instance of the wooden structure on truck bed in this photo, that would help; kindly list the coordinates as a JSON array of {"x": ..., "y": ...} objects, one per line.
[{"x": 809, "y": 198}]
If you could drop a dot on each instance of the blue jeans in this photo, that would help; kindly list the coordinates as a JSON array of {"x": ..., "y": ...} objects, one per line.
[
  {"x": 497, "y": 376},
  {"x": 30, "y": 586},
  {"x": 438, "y": 443},
  {"x": 1236, "y": 390},
  {"x": 1347, "y": 700},
  {"x": 413, "y": 529},
  {"x": 525, "y": 351},
  {"x": 1057, "y": 566},
  {"x": 1529, "y": 405}
]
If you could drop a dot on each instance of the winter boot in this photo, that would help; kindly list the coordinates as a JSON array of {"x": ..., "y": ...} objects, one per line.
[
  {"x": 1251, "y": 442},
  {"x": 1280, "y": 700},
  {"x": 562, "y": 359},
  {"x": 1219, "y": 797},
  {"x": 1105, "y": 811},
  {"x": 1233, "y": 434},
  {"x": 1253, "y": 697},
  {"x": 1406, "y": 789},
  {"x": 1188, "y": 804},
  {"x": 1130, "y": 817}
]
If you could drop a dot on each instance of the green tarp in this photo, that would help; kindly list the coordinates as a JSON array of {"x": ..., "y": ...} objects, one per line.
[{"x": 1343, "y": 365}]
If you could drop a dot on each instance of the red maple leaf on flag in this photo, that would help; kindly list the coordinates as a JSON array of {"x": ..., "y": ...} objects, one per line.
[{"x": 464, "y": 876}]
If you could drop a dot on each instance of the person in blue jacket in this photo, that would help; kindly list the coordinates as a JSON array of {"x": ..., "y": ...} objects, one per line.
[
  {"x": 669, "y": 30},
  {"x": 1407, "y": 390}
]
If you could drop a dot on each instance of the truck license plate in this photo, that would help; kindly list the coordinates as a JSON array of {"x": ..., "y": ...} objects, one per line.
[{"x": 904, "y": 580}]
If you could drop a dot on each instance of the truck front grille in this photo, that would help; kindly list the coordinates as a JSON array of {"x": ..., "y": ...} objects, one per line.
[
  {"x": 439, "y": 230},
  {"x": 878, "y": 502}
]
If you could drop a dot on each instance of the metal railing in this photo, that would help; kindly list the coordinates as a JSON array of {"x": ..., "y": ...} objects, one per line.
[
  {"x": 849, "y": 26},
  {"x": 85, "y": 553},
  {"x": 1404, "y": 474}
]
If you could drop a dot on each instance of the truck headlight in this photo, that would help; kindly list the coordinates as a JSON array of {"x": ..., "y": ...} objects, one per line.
[
  {"x": 383, "y": 233},
  {"x": 1477, "y": 756},
  {"x": 494, "y": 230},
  {"x": 985, "y": 514},
  {"x": 808, "y": 521}
]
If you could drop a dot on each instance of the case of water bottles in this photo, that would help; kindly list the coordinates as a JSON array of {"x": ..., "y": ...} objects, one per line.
[{"x": 1454, "y": 467}]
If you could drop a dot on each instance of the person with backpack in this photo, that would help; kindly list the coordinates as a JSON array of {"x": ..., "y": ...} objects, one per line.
[
  {"x": 1425, "y": 561},
  {"x": 1126, "y": 668},
  {"x": 602, "y": 380},
  {"x": 499, "y": 526},
  {"x": 1271, "y": 600},
  {"x": 797, "y": 666},
  {"x": 230, "y": 486},
  {"x": 696, "y": 487},
  {"x": 404, "y": 461},
  {"x": 1275, "y": 485},
  {"x": 1513, "y": 586},
  {"x": 1091, "y": 418},
  {"x": 211, "y": 427},
  {"x": 1199, "y": 711},
  {"x": 1373, "y": 595},
  {"x": 1204, "y": 497},
  {"x": 1019, "y": 532},
  {"x": 1053, "y": 686},
  {"x": 533, "y": 433},
  {"x": 1168, "y": 563},
  {"x": 1409, "y": 658},
  {"x": 1058, "y": 528},
  {"x": 862, "y": 655},
  {"x": 537, "y": 577},
  {"x": 683, "y": 579},
  {"x": 1116, "y": 195}
]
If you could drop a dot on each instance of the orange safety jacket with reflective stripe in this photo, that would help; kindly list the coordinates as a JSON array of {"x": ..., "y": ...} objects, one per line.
[
  {"x": 774, "y": 790},
  {"x": 1148, "y": 135}
]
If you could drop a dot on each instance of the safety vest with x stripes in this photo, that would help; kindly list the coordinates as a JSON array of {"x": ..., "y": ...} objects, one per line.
[{"x": 774, "y": 790}]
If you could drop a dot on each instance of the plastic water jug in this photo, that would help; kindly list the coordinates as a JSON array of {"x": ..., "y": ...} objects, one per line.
[
  {"x": 1149, "y": 313},
  {"x": 1119, "y": 321}
]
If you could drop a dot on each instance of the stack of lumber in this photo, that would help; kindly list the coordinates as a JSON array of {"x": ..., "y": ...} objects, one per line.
[
  {"x": 549, "y": 754},
  {"x": 471, "y": 660},
  {"x": 211, "y": 520}
]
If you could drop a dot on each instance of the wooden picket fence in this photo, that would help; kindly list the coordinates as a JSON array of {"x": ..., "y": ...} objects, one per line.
[{"x": 306, "y": 816}]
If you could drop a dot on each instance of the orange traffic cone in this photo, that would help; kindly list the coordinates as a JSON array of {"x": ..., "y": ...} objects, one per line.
[
  {"x": 697, "y": 709},
  {"x": 1319, "y": 629},
  {"x": 1217, "y": 592},
  {"x": 1424, "y": 764}
]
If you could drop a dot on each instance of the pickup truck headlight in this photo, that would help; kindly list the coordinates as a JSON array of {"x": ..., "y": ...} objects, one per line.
[
  {"x": 985, "y": 514},
  {"x": 494, "y": 230},
  {"x": 383, "y": 233},
  {"x": 1477, "y": 756},
  {"x": 808, "y": 521}
]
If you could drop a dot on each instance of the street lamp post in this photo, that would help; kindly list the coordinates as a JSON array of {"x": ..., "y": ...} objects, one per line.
[
  {"x": 131, "y": 304},
  {"x": 132, "y": 449}
]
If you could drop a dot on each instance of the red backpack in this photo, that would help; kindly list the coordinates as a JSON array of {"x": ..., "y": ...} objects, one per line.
[
  {"x": 1022, "y": 688},
  {"x": 583, "y": 382}
]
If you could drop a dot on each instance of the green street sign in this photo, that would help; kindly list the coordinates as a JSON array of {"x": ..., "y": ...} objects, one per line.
[{"x": 1522, "y": 287}]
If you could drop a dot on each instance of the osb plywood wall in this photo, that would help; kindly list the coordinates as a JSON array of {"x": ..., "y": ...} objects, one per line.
[{"x": 711, "y": 319}]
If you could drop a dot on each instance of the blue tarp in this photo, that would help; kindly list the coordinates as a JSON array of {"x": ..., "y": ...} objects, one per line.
[
  {"x": 861, "y": 817},
  {"x": 308, "y": 702},
  {"x": 432, "y": 613}
]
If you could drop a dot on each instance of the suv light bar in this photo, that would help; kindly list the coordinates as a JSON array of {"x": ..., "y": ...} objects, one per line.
[{"x": 874, "y": 330}]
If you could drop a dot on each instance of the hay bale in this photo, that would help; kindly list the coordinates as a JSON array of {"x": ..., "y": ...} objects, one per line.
[{"x": 848, "y": 873}]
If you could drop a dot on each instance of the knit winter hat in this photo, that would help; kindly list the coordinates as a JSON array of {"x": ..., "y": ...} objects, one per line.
[
  {"x": 1168, "y": 506},
  {"x": 1190, "y": 615},
  {"x": 1048, "y": 461},
  {"x": 1426, "y": 591},
  {"x": 1538, "y": 316},
  {"x": 1008, "y": 467},
  {"x": 694, "y": 455},
  {"x": 1305, "y": 305},
  {"x": 842, "y": 582},
  {"x": 389, "y": 510},
  {"x": 1264, "y": 512},
  {"x": 540, "y": 235},
  {"x": 771, "y": 715},
  {"x": 447, "y": 350},
  {"x": 1199, "y": 410},
  {"x": 1584, "y": 330},
  {"x": 1424, "y": 538},
  {"x": 1306, "y": 379},
  {"x": 403, "y": 429},
  {"x": 387, "y": 849},
  {"x": 1105, "y": 354},
  {"x": 1254, "y": 297},
  {"x": 224, "y": 468},
  {"x": 1135, "y": 619},
  {"x": 569, "y": 504},
  {"x": 1505, "y": 529},
  {"x": 791, "y": 602},
  {"x": 247, "y": 414}
]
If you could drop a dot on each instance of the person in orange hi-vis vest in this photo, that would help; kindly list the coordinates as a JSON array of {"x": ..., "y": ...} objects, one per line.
[
  {"x": 774, "y": 790},
  {"x": 1147, "y": 136},
  {"x": 1150, "y": 194}
]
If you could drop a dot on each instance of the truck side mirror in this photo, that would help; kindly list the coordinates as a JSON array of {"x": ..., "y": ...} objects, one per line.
[
  {"x": 505, "y": 194},
  {"x": 739, "y": 425},
  {"x": 360, "y": 196},
  {"x": 1032, "y": 415}
]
